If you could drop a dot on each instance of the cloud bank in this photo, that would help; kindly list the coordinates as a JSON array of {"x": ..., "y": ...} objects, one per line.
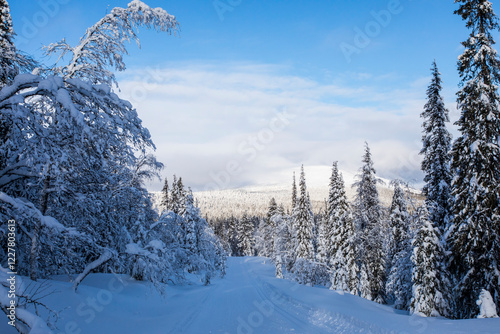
[{"x": 232, "y": 125}]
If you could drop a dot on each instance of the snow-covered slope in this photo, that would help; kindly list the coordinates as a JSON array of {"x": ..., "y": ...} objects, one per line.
[
  {"x": 248, "y": 300},
  {"x": 255, "y": 199}
]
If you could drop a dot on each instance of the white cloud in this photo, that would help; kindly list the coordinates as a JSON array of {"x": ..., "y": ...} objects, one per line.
[{"x": 204, "y": 117}]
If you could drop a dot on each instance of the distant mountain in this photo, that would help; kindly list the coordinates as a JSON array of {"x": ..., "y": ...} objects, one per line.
[{"x": 255, "y": 199}]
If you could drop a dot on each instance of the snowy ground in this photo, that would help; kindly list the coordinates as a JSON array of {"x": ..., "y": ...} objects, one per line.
[{"x": 248, "y": 300}]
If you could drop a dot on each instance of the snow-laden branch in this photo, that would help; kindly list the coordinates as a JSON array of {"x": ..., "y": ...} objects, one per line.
[
  {"x": 103, "y": 44},
  {"x": 107, "y": 255},
  {"x": 28, "y": 209}
]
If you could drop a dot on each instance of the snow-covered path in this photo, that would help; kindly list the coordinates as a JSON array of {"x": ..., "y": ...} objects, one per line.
[
  {"x": 244, "y": 303},
  {"x": 248, "y": 300}
]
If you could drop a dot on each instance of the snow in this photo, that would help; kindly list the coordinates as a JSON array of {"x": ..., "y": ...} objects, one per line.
[
  {"x": 486, "y": 305},
  {"x": 135, "y": 249},
  {"x": 248, "y": 300}
]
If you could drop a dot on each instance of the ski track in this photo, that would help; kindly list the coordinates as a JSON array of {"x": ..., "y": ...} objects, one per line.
[{"x": 245, "y": 303}]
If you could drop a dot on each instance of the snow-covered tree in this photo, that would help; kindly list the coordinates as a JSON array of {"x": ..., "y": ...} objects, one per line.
[
  {"x": 191, "y": 224},
  {"x": 436, "y": 151},
  {"x": 474, "y": 236},
  {"x": 429, "y": 296},
  {"x": 12, "y": 61},
  {"x": 398, "y": 285},
  {"x": 303, "y": 222},
  {"x": 177, "y": 197},
  {"x": 245, "y": 231},
  {"x": 103, "y": 44},
  {"x": 399, "y": 221},
  {"x": 336, "y": 207},
  {"x": 165, "y": 196},
  {"x": 65, "y": 126},
  {"x": 370, "y": 232},
  {"x": 281, "y": 243},
  {"x": 337, "y": 249},
  {"x": 294, "y": 193},
  {"x": 304, "y": 266},
  {"x": 487, "y": 307},
  {"x": 265, "y": 233},
  {"x": 175, "y": 245},
  {"x": 343, "y": 266},
  {"x": 76, "y": 152}
]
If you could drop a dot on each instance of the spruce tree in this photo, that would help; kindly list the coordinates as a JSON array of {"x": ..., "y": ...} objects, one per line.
[
  {"x": 177, "y": 196},
  {"x": 336, "y": 207},
  {"x": 165, "y": 196},
  {"x": 428, "y": 274},
  {"x": 436, "y": 147},
  {"x": 191, "y": 222},
  {"x": 343, "y": 266},
  {"x": 294, "y": 193},
  {"x": 370, "y": 234},
  {"x": 474, "y": 236},
  {"x": 12, "y": 61},
  {"x": 8, "y": 51},
  {"x": 281, "y": 242},
  {"x": 266, "y": 231},
  {"x": 245, "y": 235},
  {"x": 303, "y": 222},
  {"x": 398, "y": 285},
  {"x": 399, "y": 220}
]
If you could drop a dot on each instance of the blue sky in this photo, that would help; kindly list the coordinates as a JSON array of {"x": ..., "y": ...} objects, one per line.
[{"x": 251, "y": 89}]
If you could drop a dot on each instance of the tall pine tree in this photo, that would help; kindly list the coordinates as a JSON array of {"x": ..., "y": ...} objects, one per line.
[
  {"x": 12, "y": 62},
  {"x": 7, "y": 49},
  {"x": 474, "y": 236},
  {"x": 303, "y": 222},
  {"x": 339, "y": 239},
  {"x": 370, "y": 234},
  {"x": 436, "y": 147},
  {"x": 336, "y": 207},
  {"x": 398, "y": 285},
  {"x": 246, "y": 239},
  {"x": 165, "y": 196},
  {"x": 265, "y": 233}
]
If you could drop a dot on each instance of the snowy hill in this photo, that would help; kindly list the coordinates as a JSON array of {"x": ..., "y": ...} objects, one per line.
[
  {"x": 255, "y": 199},
  {"x": 248, "y": 300}
]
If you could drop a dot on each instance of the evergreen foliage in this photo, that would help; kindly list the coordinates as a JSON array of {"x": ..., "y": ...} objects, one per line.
[
  {"x": 398, "y": 285},
  {"x": 303, "y": 222},
  {"x": 436, "y": 151},
  {"x": 245, "y": 233},
  {"x": 370, "y": 232},
  {"x": 474, "y": 236},
  {"x": 429, "y": 294}
]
